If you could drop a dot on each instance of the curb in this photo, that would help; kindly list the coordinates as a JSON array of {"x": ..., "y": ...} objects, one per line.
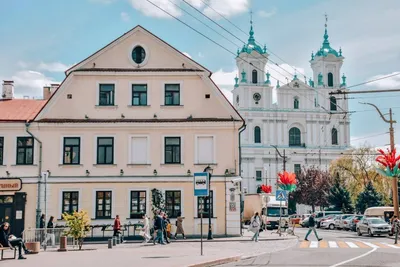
[
  {"x": 217, "y": 262},
  {"x": 231, "y": 240}
]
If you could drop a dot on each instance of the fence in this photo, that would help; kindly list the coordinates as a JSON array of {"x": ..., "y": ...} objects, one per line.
[{"x": 46, "y": 238}]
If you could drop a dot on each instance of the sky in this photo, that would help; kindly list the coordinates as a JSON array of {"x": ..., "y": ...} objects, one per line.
[{"x": 40, "y": 39}]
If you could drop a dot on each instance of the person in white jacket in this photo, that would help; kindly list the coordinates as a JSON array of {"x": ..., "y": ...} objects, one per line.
[
  {"x": 146, "y": 229},
  {"x": 254, "y": 227}
]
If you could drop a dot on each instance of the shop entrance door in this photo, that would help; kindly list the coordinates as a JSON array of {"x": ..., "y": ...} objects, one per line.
[{"x": 6, "y": 213}]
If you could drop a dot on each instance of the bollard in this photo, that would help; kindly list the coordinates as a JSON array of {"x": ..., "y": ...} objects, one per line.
[
  {"x": 110, "y": 243},
  {"x": 118, "y": 240},
  {"x": 63, "y": 244},
  {"x": 114, "y": 241}
]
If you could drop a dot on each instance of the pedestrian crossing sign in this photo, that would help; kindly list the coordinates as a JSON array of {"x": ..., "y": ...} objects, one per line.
[{"x": 281, "y": 195}]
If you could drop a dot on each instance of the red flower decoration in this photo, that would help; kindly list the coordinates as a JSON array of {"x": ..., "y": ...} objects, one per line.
[
  {"x": 287, "y": 178},
  {"x": 388, "y": 159},
  {"x": 266, "y": 188}
]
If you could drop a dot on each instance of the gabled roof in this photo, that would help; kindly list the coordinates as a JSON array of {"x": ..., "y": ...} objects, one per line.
[
  {"x": 123, "y": 37},
  {"x": 20, "y": 110}
]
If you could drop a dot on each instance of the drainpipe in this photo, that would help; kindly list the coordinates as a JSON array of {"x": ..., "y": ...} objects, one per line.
[
  {"x": 241, "y": 129},
  {"x": 38, "y": 207}
]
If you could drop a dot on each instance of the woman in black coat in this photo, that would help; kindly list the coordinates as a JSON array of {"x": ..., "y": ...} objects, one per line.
[{"x": 8, "y": 240}]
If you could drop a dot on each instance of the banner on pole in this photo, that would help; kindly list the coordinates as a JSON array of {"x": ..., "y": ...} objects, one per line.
[{"x": 200, "y": 182}]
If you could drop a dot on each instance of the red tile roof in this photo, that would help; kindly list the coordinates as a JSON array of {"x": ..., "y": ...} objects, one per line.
[{"x": 19, "y": 109}]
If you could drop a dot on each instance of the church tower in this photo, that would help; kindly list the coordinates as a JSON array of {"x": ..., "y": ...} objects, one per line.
[
  {"x": 252, "y": 85},
  {"x": 326, "y": 64}
]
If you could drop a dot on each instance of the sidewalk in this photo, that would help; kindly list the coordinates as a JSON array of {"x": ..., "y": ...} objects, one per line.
[{"x": 176, "y": 254}]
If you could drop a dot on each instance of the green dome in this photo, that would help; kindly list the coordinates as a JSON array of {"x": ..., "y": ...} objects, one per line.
[
  {"x": 251, "y": 44},
  {"x": 326, "y": 48}
]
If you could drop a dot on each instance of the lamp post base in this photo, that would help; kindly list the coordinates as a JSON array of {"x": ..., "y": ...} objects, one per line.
[{"x": 210, "y": 235}]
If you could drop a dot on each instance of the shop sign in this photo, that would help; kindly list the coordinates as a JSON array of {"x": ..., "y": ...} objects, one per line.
[{"x": 10, "y": 184}]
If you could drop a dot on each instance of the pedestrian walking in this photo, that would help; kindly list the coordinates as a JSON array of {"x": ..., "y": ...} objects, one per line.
[
  {"x": 159, "y": 229},
  {"x": 396, "y": 224},
  {"x": 117, "y": 227},
  {"x": 41, "y": 233},
  {"x": 179, "y": 226},
  {"x": 146, "y": 228},
  {"x": 50, "y": 233},
  {"x": 10, "y": 241},
  {"x": 167, "y": 226},
  {"x": 255, "y": 223},
  {"x": 311, "y": 227}
]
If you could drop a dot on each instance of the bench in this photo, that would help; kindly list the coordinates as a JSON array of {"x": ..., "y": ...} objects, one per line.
[{"x": 2, "y": 249}]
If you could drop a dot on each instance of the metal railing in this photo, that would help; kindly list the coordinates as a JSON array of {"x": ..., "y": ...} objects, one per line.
[{"x": 48, "y": 238}]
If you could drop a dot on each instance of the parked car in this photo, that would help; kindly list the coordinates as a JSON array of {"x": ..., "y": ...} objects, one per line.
[
  {"x": 339, "y": 222},
  {"x": 320, "y": 214},
  {"x": 295, "y": 219},
  {"x": 304, "y": 220},
  {"x": 347, "y": 223},
  {"x": 373, "y": 226},
  {"x": 329, "y": 222},
  {"x": 354, "y": 221}
]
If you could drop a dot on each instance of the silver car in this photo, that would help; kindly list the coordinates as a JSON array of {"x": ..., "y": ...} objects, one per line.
[
  {"x": 373, "y": 226},
  {"x": 339, "y": 220},
  {"x": 329, "y": 223}
]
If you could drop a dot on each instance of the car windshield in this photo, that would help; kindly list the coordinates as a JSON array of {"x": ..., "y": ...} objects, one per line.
[
  {"x": 376, "y": 221},
  {"x": 350, "y": 218},
  {"x": 274, "y": 211},
  {"x": 346, "y": 216}
]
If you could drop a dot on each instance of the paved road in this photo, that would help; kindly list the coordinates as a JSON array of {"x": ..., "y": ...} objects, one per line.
[{"x": 338, "y": 248}]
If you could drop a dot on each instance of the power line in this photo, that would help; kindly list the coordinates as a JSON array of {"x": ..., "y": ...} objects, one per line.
[
  {"x": 226, "y": 49},
  {"x": 370, "y": 136},
  {"x": 374, "y": 80}
]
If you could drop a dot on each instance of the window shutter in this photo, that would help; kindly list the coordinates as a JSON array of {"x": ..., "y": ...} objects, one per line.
[
  {"x": 205, "y": 149},
  {"x": 139, "y": 150}
]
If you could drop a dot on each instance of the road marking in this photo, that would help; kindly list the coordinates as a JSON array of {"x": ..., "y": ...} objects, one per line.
[
  {"x": 323, "y": 244},
  {"x": 304, "y": 244},
  {"x": 314, "y": 244},
  {"x": 351, "y": 245},
  {"x": 381, "y": 245},
  {"x": 392, "y": 246},
  {"x": 370, "y": 244},
  {"x": 342, "y": 244},
  {"x": 333, "y": 244},
  {"x": 361, "y": 245},
  {"x": 353, "y": 259}
]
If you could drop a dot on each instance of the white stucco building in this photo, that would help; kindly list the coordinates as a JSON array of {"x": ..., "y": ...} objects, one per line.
[{"x": 305, "y": 123}]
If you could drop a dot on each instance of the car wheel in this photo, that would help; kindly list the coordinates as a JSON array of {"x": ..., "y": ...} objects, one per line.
[
  {"x": 370, "y": 233},
  {"x": 359, "y": 232},
  {"x": 332, "y": 227},
  {"x": 390, "y": 234}
]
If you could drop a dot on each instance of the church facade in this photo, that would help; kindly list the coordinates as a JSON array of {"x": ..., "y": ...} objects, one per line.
[{"x": 304, "y": 125}]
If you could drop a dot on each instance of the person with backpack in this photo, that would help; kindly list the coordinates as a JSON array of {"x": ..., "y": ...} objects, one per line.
[
  {"x": 311, "y": 227},
  {"x": 255, "y": 224}
]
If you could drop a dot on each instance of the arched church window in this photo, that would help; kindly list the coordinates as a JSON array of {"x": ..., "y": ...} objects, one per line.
[
  {"x": 296, "y": 103},
  {"x": 334, "y": 134},
  {"x": 254, "y": 76},
  {"x": 257, "y": 135},
  {"x": 333, "y": 104},
  {"x": 294, "y": 137},
  {"x": 330, "y": 79}
]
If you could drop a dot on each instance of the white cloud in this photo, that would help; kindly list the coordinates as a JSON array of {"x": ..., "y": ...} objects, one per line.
[
  {"x": 125, "y": 16},
  {"x": 53, "y": 67},
  {"x": 151, "y": 11},
  {"x": 267, "y": 14},
  {"x": 187, "y": 54},
  {"x": 392, "y": 82},
  {"x": 30, "y": 83},
  {"x": 200, "y": 55},
  {"x": 228, "y": 8},
  {"x": 228, "y": 94}
]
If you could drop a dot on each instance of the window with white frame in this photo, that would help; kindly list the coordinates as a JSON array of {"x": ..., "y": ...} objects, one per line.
[
  {"x": 139, "y": 149},
  {"x": 205, "y": 149}
]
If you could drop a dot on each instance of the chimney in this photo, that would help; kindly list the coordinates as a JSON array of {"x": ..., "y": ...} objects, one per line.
[
  {"x": 8, "y": 90},
  {"x": 48, "y": 91}
]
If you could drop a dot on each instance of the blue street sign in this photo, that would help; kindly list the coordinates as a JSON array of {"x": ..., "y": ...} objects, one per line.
[
  {"x": 281, "y": 195},
  {"x": 200, "y": 182}
]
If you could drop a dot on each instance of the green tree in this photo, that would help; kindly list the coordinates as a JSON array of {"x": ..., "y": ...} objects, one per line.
[
  {"x": 339, "y": 197},
  {"x": 78, "y": 225},
  {"x": 313, "y": 187},
  {"x": 368, "y": 198}
]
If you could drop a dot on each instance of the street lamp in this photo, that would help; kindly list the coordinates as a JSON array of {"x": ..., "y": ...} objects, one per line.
[{"x": 209, "y": 170}]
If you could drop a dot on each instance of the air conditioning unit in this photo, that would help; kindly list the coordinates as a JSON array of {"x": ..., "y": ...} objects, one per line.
[{"x": 232, "y": 171}]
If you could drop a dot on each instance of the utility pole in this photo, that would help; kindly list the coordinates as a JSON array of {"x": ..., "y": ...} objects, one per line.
[
  {"x": 283, "y": 157},
  {"x": 391, "y": 132}
]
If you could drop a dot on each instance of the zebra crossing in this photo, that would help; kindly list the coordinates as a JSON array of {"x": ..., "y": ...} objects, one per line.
[{"x": 345, "y": 244}]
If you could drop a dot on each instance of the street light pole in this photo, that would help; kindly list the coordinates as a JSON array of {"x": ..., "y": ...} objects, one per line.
[
  {"x": 391, "y": 132},
  {"x": 283, "y": 157},
  {"x": 209, "y": 170}
]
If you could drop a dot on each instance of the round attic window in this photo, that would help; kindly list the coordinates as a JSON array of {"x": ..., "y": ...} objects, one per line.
[{"x": 138, "y": 54}]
